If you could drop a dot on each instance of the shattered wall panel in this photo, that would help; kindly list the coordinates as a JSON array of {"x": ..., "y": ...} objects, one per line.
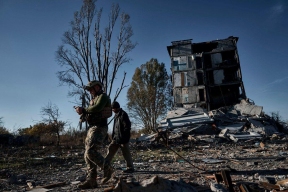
[
  {"x": 226, "y": 44},
  {"x": 179, "y": 50},
  {"x": 180, "y": 63},
  {"x": 177, "y": 79},
  {"x": 185, "y": 49},
  {"x": 190, "y": 78},
  {"x": 185, "y": 79},
  {"x": 177, "y": 92},
  {"x": 189, "y": 95}
]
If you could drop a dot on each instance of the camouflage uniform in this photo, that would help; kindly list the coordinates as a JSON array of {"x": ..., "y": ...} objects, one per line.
[
  {"x": 96, "y": 134},
  {"x": 93, "y": 142}
]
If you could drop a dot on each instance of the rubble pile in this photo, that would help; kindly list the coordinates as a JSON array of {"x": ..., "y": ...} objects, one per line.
[{"x": 243, "y": 121}]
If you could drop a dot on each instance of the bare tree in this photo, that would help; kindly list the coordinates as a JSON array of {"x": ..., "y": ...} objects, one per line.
[
  {"x": 50, "y": 116},
  {"x": 276, "y": 116},
  {"x": 87, "y": 53}
]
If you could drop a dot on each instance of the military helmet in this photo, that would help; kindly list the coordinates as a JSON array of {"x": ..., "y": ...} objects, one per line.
[{"x": 92, "y": 84}]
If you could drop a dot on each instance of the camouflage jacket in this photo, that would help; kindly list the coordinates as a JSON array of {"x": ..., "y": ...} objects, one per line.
[{"x": 96, "y": 106}]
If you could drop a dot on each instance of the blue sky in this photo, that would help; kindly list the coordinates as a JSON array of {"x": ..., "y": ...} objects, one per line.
[{"x": 31, "y": 31}]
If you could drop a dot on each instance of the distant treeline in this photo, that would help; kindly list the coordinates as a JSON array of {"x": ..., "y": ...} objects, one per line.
[{"x": 20, "y": 140}]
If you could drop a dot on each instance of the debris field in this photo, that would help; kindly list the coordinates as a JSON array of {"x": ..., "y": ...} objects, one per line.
[{"x": 236, "y": 148}]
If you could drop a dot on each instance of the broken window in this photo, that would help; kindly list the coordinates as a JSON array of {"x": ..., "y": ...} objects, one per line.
[
  {"x": 199, "y": 63},
  {"x": 207, "y": 61},
  {"x": 204, "y": 47},
  {"x": 191, "y": 62},
  {"x": 218, "y": 76},
  {"x": 216, "y": 59},
  {"x": 200, "y": 78},
  {"x": 210, "y": 77},
  {"x": 228, "y": 57},
  {"x": 224, "y": 95},
  {"x": 202, "y": 94},
  {"x": 230, "y": 75}
]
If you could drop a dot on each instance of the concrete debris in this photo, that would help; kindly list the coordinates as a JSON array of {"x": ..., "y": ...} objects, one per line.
[
  {"x": 187, "y": 120},
  {"x": 146, "y": 138},
  {"x": 262, "y": 126},
  {"x": 81, "y": 178},
  {"x": 213, "y": 161},
  {"x": 233, "y": 127},
  {"x": 153, "y": 184},
  {"x": 176, "y": 113},
  {"x": 40, "y": 190},
  {"x": 241, "y": 122},
  {"x": 244, "y": 136},
  {"x": 31, "y": 184},
  {"x": 247, "y": 109},
  {"x": 217, "y": 187}
]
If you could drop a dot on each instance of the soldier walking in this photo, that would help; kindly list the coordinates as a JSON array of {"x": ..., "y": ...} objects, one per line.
[{"x": 96, "y": 116}]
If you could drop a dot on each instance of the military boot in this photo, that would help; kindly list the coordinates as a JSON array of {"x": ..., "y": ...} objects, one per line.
[
  {"x": 108, "y": 171},
  {"x": 88, "y": 184}
]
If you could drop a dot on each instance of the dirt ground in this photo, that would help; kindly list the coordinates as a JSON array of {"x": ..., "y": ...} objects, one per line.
[{"x": 248, "y": 163}]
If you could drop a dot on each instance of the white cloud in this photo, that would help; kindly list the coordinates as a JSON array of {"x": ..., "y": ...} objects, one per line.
[
  {"x": 277, "y": 81},
  {"x": 273, "y": 83},
  {"x": 277, "y": 9},
  {"x": 276, "y": 12}
]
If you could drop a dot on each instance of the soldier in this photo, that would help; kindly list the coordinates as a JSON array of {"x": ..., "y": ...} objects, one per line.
[
  {"x": 96, "y": 117},
  {"x": 120, "y": 137}
]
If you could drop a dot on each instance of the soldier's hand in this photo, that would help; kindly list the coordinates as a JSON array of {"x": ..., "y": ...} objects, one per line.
[{"x": 79, "y": 110}]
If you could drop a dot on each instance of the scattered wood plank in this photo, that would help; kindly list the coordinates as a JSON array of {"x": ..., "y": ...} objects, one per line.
[
  {"x": 283, "y": 183},
  {"x": 269, "y": 186},
  {"x": 243, "y": 188}
]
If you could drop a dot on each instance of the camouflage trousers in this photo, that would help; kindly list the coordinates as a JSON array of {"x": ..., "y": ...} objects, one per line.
[{"x": 93, "y": 142}]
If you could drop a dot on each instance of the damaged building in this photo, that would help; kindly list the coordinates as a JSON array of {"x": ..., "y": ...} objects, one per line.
[
  {"x": 206, "y": 74},
  {"x": 209, "y": 94}
]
